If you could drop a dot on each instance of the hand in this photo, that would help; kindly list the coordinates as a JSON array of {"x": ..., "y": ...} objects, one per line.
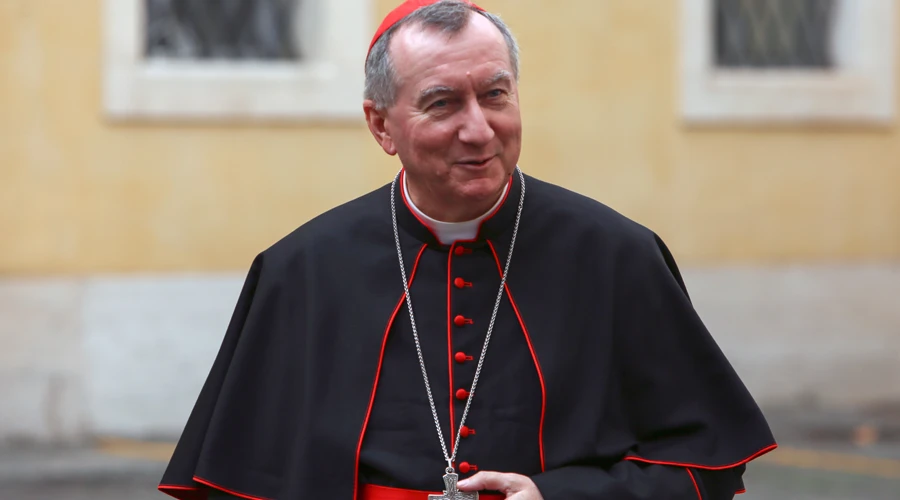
[{"x": 514, "y": 486}]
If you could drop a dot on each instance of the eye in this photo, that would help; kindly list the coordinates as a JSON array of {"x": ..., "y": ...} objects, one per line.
[
  {"x": 495, "y": 93},
  {"x": 440, "y": 103}
]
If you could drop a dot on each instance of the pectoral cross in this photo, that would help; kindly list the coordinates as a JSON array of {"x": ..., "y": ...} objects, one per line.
[{"x": 451, "y": 492}]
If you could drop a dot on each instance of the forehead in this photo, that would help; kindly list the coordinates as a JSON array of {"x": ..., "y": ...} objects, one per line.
[{"x": 426, "y": 56}]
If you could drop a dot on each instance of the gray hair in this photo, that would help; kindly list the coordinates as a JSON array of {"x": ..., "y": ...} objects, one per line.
[{"x": 448, "y": 16}]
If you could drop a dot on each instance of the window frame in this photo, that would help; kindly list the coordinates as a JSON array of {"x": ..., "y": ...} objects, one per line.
[
  {"x": 327, "y": 84},
  {"x": 859, "y": 89}
]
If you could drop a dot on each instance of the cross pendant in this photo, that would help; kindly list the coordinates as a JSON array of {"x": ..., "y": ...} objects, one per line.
[{"x": 451, "y": 492}]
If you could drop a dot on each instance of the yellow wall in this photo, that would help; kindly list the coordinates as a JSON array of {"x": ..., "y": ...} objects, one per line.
[{"x": 599, "y": 95}]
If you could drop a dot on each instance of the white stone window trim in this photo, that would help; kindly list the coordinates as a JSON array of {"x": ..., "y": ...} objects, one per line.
[
  {"x": 327, "y": 85},
  {"x": 861, "y": 89}
]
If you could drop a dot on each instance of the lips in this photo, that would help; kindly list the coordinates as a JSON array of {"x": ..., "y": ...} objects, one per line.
[{"x": 476, "y": 162}]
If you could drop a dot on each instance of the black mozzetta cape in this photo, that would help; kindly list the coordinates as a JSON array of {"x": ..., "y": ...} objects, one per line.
[{"x": 600, "y": 381}]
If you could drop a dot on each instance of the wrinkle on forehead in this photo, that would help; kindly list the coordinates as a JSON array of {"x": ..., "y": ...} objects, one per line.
[{"x": 499, "y": 76}]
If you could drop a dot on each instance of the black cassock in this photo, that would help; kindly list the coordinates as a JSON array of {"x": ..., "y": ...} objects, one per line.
[{"x": 600, "y": 381}]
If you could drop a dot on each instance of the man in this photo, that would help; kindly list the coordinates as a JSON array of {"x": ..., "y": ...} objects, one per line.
[{"x": 466, "y": 328}]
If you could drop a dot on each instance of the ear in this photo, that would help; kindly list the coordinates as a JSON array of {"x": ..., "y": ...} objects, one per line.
[{"x": 376, "y": 119}]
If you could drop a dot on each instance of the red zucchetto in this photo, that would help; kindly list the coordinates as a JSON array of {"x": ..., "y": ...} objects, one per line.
[{"x": 405, "y": 9}]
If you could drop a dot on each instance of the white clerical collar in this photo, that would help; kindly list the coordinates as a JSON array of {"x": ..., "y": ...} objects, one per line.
[{"x": 448, "y": 232}]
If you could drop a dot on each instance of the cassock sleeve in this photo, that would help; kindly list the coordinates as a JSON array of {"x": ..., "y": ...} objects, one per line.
[
  {"x": 179, "y": 480},
  {"x": 694, "y": 424},
  {"x": 221, "y": 495},
  {"x": 636, "y": 481},
  {"x": 683, "y": 401}
]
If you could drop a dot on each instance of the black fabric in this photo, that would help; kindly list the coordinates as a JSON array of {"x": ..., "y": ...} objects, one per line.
[
  {"x": 622, "y": 481},
  {"x": 638, "y": 481},
  {"x": 628, "y": 368},
  {"x": 219, "y": 495},
  {"x": 720, "y": 484},
  {"x": 506, "y": 411}
]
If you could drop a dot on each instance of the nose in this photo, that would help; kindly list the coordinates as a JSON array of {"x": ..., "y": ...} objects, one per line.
[{"x": 475, "y": 127}]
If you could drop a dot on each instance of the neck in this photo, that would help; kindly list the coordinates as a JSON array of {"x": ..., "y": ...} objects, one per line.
[{"x": 453, "y": 212}]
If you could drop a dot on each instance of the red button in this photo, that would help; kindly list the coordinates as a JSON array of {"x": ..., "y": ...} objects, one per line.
[
  {"x": 466, "y": 432},
  {"x": 465, "y": 467},
  {"x": 460, "y": 250},
  {"x": 460, "y": 320},
  {"x": 462, "y": 394},
  {"x": 461, "y": 357},
  {"x": 459, "y": 282}
]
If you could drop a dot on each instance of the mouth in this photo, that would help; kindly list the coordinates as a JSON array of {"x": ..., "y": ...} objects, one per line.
[{"x": 476, "y": 162}]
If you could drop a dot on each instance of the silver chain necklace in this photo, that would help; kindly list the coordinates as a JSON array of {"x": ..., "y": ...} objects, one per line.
[{"x": 450, "y": 477}]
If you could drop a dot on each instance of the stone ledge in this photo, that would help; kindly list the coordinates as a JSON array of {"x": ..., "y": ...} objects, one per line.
[
  {"x": 127, "y": 355},
  {"x": 48, "y": 465}
]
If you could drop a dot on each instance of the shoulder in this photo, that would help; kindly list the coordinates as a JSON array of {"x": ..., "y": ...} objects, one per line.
[
  {"x": 562, "y": 209},
  {"x": 634, "y": 254},
  {"x": 348, "y": 227},
  {"x": 600, "y": 232}
]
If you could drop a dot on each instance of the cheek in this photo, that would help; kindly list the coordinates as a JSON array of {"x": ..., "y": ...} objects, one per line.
[
  {"x": 507, "y": 121},
  {"x": 430, "y": 139},
  {"x": 509, "y": 130}
]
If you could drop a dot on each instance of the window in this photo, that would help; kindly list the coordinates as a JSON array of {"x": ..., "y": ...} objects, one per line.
[
  {"x": 758, "y": 61},
  {"x": 235, "y": 59},
  {"x": 224, "y": 29},
  {"x": 774, "y": 33}
]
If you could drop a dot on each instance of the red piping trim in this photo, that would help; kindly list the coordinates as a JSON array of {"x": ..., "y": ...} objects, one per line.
[
  {"x": 182, "y": 492},
  {"x": 450, "y": 348},
  {"x": 403, "y": 195},
  {"x": 491, "y": 215},
  {"x": 705, "y": 467},
  {"x": 480, "y": 225},
  {"x": 387, "y": 330},
  {"x": 537, "y": 364},
  {"x": 226, "y": 490},
  {"x": 740, "y": 491},
  {"x": 499, "y": 206},
  {"x": 177, "y": 487},
  {"x": 696, "y": 487}
]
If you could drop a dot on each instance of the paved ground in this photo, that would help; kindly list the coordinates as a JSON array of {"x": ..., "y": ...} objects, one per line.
[
  {"x": 809, "y": 465},
  {"x": 97, "y": 476},
  {"x": 124, "y": 491},
  {"x": 86, "y": 474},
  {"x": 765, "y": 482}
]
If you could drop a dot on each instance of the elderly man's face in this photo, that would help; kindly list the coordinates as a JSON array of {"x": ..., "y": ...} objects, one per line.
[{"x": 455, "y": 124}]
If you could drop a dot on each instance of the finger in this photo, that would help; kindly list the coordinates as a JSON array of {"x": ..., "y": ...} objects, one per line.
[
  {"x": 486, "y": 480},
  {"x": 523, "y": 489},
  {"x": 525, "y": 495}
]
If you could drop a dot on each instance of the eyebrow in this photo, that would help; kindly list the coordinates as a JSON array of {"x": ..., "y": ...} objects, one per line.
[
  {"x": 500, "y": 76},
  {"x": 430, "y": 92}
]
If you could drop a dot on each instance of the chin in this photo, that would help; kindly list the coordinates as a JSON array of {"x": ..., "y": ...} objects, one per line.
[{"x": 484, "y": 188}]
